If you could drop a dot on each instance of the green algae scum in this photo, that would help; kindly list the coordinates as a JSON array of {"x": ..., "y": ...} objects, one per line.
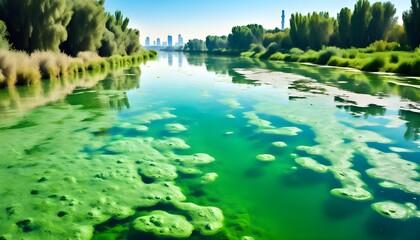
[{"x": 204, "y": 147}]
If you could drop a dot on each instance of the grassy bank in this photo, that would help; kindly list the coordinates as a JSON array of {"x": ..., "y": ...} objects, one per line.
[
  {"x": 19, "y": 68},
  {"x": 378, "y": 57}
]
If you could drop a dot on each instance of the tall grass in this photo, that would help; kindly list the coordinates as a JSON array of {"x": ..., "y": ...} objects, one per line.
[{"x": 19, "y": 68}]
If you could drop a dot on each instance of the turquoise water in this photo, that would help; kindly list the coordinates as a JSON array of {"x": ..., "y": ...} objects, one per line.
[{"x": 94, "y": 157}]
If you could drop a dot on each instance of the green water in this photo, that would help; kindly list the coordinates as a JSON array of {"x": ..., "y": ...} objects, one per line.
[{"x": 84, "y": 158}]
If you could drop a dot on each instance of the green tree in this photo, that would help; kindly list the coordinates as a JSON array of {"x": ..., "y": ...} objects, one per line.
[
  {"x": 411, "y": 20},
  {"x": 320, "y": 30},
  {"x": 195, "y": 45},
  {"x": 243, "y": 36},
  {"x": 344, "y": 19},
  {"x": 382, "y": 20},
  {"x": 86, "y": 27},
  {"x": 132, "y": 42},
  {"x": 36, "y": 24},
  {"x": 360, "y": 20},
  {"x": 216, "y": 42},
  {"x": 397, "y": 34},
  {"x": 299, "y": 30}
]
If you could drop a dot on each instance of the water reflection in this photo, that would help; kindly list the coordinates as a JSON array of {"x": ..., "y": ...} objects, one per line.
[
  {"x": 16, "y": 102},
  {"x": 401, "y": 92},
  {"x": 170, "y": 57}
]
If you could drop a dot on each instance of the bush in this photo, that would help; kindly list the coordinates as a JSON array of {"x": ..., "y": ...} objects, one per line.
[
  {"x": 374, "y": 65},
  {"x": 257, "y": 48},
  {"x": 327, "y": 53},
  {"x": 404, "y": 67},
  {"x": 394, "y": 58},
  {"x": 415, "y": 67},
  {"x": 382, "y": 46},
  {"x": 278, "y": 56},
  {"x": 271, "y": 49},
  {"x": 338, "y": 61},
  {"x": 309, "y": 56}
]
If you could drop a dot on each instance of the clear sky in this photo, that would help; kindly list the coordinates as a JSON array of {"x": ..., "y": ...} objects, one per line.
[{"x": 199, "y": 18}]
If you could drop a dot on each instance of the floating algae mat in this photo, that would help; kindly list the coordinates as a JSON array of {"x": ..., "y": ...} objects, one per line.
[{"x": 202, "y": 147}]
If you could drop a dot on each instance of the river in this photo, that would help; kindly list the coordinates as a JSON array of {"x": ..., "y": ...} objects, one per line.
[{"x": 206, "y": 147}]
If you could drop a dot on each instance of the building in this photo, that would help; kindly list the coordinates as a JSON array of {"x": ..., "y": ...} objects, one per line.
[
  {"x": 154, "y": 43},
  {"x": 147, "y": 42},
  {"x": 165, "y": 44},
  {"x": 158, "y": 42},
  {"x": 180, "y": 41},
  {"x": 282, "y": 20},
  {"x": 169, "y": 40}
]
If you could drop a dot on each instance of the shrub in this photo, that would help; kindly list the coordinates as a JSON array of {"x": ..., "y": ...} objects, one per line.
[
  {"x": 374, "y": 65},
  {"x": 271, "y": 49},
  {"x": 404, "y": 67},
  {"x": 278, "y": 56},
  {"x": 382, "y": 46},
  {"x": 415, "y": 67},
  {"x": 327, "y": 53},
  {"x": 309, "y": 56},
  {"x": 257, "y": 48},
  {"x": 338, "y": 61},
  {"x": 394, "y": 58}
]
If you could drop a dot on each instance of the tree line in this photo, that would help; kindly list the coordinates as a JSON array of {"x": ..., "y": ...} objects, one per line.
[
  {"x": 69, "y": 26},
  {"x": 360, "y": 27}
]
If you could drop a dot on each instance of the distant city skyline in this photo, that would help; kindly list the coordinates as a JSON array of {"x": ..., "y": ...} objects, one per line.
[
  {"x": 156, "y": 19},
  {"x": 169, "y": 42}
]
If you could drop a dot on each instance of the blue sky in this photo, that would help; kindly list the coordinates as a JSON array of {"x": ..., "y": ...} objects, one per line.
[{"x": 199, "y": 18}]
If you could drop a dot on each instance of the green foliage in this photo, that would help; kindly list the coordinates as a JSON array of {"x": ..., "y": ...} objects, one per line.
[
  {"x": 37, "y": 24},
  {"x": 382, "y": 46},
  {"x": 411, "y": 20},
  {"x": 374, "y": 65},
  {"x": 320, "y": 30},
  {"x": 242, "y": 37},
  {"x": 195, "y": 45},
  {"x": 360, "y": 20},
  {"x": 299, "y": 30},
  {"x": 216, "y": 43},
  {"x": 397, "y": 34},
  {"x": 344, "y": 21},
  {"x": 257, "y": 48},
  {"x": 313, "y": 30},
  {"x": 394, "y": 58},
  {"x": 326, "y": 54},
  {"x": 382, "y": 20},
  {"x": 91, "y": 15}
]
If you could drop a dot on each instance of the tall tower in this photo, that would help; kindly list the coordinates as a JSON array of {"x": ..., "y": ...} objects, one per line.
[
  {"x": 147, "y": 43},
  {"x": 169, "y": 40},
  {"x": 282, "y": 20}
]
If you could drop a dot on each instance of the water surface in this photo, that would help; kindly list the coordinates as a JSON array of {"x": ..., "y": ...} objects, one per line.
[{"x": 85, "y": 158}]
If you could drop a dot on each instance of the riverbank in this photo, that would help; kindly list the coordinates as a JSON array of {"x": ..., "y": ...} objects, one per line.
[
  {"x": 19, "y": 68},
  {"x": 371, "y": 59}
]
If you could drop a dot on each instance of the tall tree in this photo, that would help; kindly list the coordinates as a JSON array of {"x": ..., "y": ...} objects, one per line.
[
  {"x": 299, "y": 30},
  {"x": 240, "y": 38},
  {"x": 382, "y": 19},
  {"x": 411, "y": 20},
  {"x": 216, "y": 42},
  {"x": 359, "y": 24},
  {"x": 320, "y": 30},
  {"x": 36, "y": 24},
  {"x": 86, "y": 26},
  {"x": 344, "y": 19}
]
